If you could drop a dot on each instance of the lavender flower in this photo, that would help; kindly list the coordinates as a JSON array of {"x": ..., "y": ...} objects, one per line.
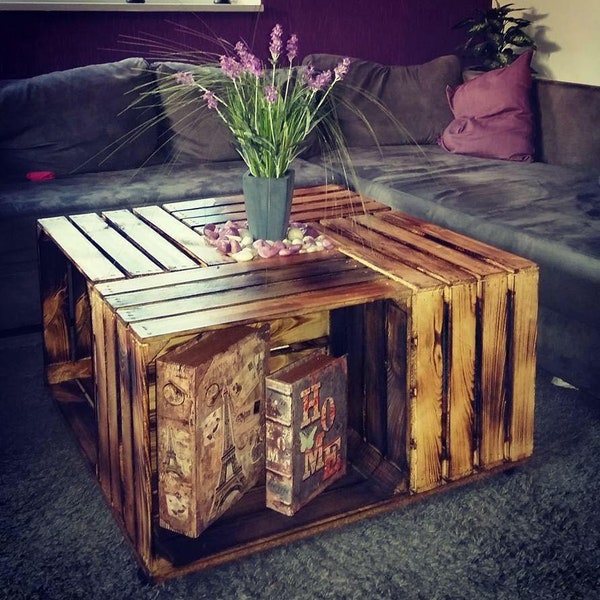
[
  {"x": 230, "y": 66},
  {"x": 248, "y": 61},
  {"x": 271, "y": 94},
  {"x": 276, "y": 43},
  {"x": 211, "y": 100},
  {"x": 292, "y": 47},
  {"x": 184, "y": 78},
  {"x": 319, "y": 81},
  {"x": 342, "y": 69}
]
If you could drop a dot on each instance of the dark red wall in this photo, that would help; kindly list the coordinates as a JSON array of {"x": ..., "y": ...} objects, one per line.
[{"x": 387, "y": 31}]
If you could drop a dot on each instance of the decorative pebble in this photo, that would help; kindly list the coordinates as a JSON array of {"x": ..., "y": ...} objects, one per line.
[{"x": 233, "y": 239}]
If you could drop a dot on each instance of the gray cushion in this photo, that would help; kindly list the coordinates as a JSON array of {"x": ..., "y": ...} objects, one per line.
[
  {"x": 194, "y": 134},
  {"x": 78, "y": 120},
  {"x": 415, "y": 97}
]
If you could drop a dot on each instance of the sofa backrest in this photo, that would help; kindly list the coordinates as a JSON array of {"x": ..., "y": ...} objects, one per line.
[
  {"x": 87, "y": 119},
  {"x": 566, "y": 116},
  {"x": 567, "y": 123}
]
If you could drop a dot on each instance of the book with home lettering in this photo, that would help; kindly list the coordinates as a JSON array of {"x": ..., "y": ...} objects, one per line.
[{"x": 306, "y": 420}]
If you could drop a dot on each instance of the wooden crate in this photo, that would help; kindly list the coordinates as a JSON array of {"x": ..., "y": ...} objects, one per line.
[
  {"x": 140, "y": 321},
  {"x": 438, "y": 330},
  {"x": 460, "y": 347},
  {"x": 79, "y": 251}
]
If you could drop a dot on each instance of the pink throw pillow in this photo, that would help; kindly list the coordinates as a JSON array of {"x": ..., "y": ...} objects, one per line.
[{"x": 492, "y": 114}]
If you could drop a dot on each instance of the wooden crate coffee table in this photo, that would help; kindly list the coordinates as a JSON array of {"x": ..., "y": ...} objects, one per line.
[{"x": 439, "y": 331}]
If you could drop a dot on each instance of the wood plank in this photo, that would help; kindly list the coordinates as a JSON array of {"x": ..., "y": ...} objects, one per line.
[
  {"x": 101, "y": 395},
  {"x": 111, "y": 385},
  {"x": 142, "y": 443},
  {"x": 497, "y": 256},
  {"x": 523, "y": 364},
  {"x": 456, "y": 257},
  {"x": 493, "y": 385},
  {"x": 397, "y": 384},
  {"x": 460, "y": 376},
  {"x": 361, "y": 245},
  {"x": 265, "y": 310},
  {"x": 426, "y": 386},
  {"x": 122, "y": 252},
  {"x": 161, "y": 280},
  {"x": 136, "y": 230},
  {"x": 239, "y": 280},
  {"x": 181, "y": 235},
  {"x": 66, "y": 371},
  {"x": 375, "y": 388},
  {"x": 81, "y": 252},
  {"x": 241, "y": 293},
  {"x": 54, "y": 288},
  {"x": 126, "y": 426}
]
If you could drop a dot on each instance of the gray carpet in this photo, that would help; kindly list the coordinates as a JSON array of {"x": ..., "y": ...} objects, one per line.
[{"x": 531, "y": 533}]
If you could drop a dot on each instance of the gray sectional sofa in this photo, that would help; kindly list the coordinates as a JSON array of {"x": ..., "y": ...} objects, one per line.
[{"x": 76, "y": 124}]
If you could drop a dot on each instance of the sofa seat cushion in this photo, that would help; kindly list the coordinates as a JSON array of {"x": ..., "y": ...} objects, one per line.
[
  {"x": 155, "y": 184},
  {"x": 392, "y": 104},
  {"x": 547, "y": 213},
  {"x": 78, "y": 121}
]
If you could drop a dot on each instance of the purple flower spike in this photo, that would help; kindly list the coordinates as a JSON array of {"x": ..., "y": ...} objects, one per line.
[
  {"x": 292, "y": 47},
  {"x": 342, "y": 69},
  {"x": 276, "y": 43},
  {"x": 211, "y": 100},
  {"x": 271, "y": 94},
  {"x": 184, "y": 78},
  {"x": 320, "y": 81},
  {"x": 231, "y": 67},
  {"x": 249, "y": 62}
]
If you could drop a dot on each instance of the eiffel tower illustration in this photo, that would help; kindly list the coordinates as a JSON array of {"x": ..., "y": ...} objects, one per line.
[
  {"x": 231, "y": 478},
  {"x": 171, "y": 463}
]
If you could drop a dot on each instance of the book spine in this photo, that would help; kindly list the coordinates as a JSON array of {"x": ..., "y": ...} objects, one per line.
[
  {"x": 176, "y": 427},
  {"x": 279, "y": 449}
]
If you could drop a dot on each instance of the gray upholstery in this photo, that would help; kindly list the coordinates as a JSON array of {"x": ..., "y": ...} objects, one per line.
[
  {"x": 78, "y": 121},
  {"x": 548, "y": 213}
]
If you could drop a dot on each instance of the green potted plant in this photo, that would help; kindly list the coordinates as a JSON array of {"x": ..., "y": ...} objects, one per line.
[
  {"x": 494, "y": 37},
  {"x": 270, "y": 110}
]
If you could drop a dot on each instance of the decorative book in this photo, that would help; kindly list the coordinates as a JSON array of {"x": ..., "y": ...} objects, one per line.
[
  {"x": 210, "y": 425},
  {"x": 306, "y": 418}
]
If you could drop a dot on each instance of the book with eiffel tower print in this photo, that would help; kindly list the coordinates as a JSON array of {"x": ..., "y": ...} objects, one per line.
[
  {"x": 305, "y": 437},
  {"x": 210, "y": 425}
]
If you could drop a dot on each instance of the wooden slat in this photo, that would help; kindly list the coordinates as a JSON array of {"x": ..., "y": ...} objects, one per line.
[
  {"x": 371, "y": 249},
  {"x": 101, "y": 395},
  {"x": 456, "y": 257},
  {"x": 201, "y": 203},
  {"x": 237, "y": 299},
  {"x": 461, "y": 372},
  {"x": 113, "y": 288},
  {"x": 426, "y": 387},
  {"x": 266, "y": 310},
  {"x": 493, "y": 401},
  {"x": 502, "y": 258},
  {"x": 397, "y": 384},
  {"x": 523, "y": 363},
  {"x": 126, "y": 427},
  {"x": 120, "y": 251},
  {"x": 80, "y": 251},
  {"x": 334, "y": 268},
  {"x": 185, "y": 238},
  {"x": 163, "y": 252},
  {"x": 143, "y": 490}
]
